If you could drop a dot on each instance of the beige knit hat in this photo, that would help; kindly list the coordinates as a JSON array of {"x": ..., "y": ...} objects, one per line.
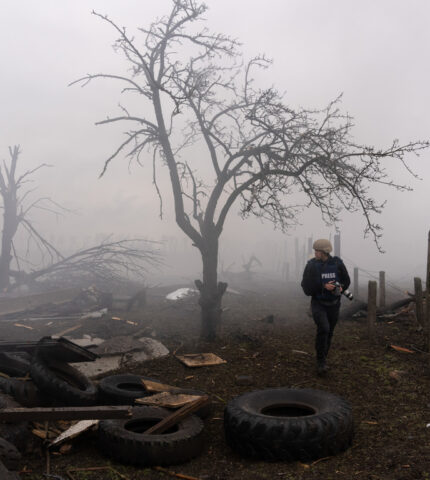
[{"x": 322, "y": 245}]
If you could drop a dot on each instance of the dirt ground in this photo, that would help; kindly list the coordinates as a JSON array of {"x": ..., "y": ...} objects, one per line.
[{"x": 391, "y": 439}]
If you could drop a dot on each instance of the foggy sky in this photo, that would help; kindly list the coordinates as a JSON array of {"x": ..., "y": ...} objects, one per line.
[{"x": 375, "y": 52}]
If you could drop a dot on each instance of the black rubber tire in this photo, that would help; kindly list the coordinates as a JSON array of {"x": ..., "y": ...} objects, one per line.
[
  {"x": 15, "y": 364},
  {"x": 62, "y": 382},
  {"x": 118, "y": 441},
  {"x": 304, "y": 424},
  {"x": 15, "y": 433},
  {"x": 9, "y": 455},
  {"x": 24, "y": 392},
  {"x": 121, "y": 389},
  {"x": 124, "y": 389}
]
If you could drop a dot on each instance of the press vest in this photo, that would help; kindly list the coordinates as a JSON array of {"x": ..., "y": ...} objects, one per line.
[{"x": 328, "y": 272}]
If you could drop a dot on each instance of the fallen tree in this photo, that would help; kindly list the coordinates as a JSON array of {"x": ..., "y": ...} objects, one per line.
[{"x": 110, "y": 262}]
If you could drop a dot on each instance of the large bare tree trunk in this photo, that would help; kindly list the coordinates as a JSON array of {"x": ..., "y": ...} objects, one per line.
[{"x": 211, "y": 291}]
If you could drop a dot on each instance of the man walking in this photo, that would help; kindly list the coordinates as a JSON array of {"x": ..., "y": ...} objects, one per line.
[{"x": 324, "y": 279}]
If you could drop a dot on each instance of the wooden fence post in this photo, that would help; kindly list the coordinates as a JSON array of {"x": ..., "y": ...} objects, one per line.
[
  {"x": 355, "y": 282},
  {"x": 427, "y": 319},
  {"x": 419, "y": 302},
  {"x": 336, "y": 246},
  {"x": 310, "y": 246},
  {"x": 371, "y": 308},
  {"x": 382, "y": 289},
  {"x": 296, "y": 251}
]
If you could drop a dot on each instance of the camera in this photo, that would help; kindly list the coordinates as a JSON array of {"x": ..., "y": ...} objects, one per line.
[{"x": 347, "y": 293}]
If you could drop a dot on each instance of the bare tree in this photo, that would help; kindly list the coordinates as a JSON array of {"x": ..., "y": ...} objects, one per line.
[
  {"x": 16, "y": 213},
  {"x": 194, "y": 89},
  {"x": 109, "y": 261}
]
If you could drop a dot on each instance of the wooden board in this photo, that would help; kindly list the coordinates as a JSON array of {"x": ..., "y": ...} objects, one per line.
[
  {"x": 200, "y": 359},
  {"x": 153, "y": 386},
  {"x": 74, "y": 431},
  {"x": 168, "y": 400},
  {"x": 64, "y": 413}
]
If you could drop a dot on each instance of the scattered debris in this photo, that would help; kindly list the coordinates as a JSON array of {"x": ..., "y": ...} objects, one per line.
[
  {"x": 23, "y": 326},
  {"x": 181, "y": 293},
  {"x": 70, "y": 471},
  {"x": 200, "y": 359},
  {"x": 154, "y": 386},
  {"x": 300, "y": 351},
  {"x": 95, "y": 314},
  {"x": 68, "y": 330},
  {"x": 174, "y": 474},
  {"x": 401, "y": 349},
  {"x": 74, "y": 431},
  {"x": 119, "y": 352},
  {"x": 177, "y": 416},
  {"x": 168, "y": 400},
  {"x": 232, "y": 291},
  {"x": 87, "y": 341},
  {"x": 397, "y": 375}
]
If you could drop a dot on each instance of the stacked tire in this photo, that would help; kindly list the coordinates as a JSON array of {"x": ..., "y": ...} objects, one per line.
[
  {"x": 127, "y": 442},
  {"x": 62, "y": 382},
  {"x": 125, "y": 389}
]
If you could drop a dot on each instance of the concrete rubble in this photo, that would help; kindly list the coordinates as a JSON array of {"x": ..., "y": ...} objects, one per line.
[{"x": 119, "y": 352}]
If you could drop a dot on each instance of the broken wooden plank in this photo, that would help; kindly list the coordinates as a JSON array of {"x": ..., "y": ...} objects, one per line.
[
  {"x": 68, "y": 330},
  {"x": 154, "y": 386},
  {"x": 168, "y": 400},
  {"x": 200, "y": 359},
  {"x": 177, "y": 416},
  {"x": 170, "y": 473},
  {"x": 401, "y": 349},
  {"x": 70, "y": 471},
  {"x": 74, "y": 431},
  {"x": 64, "y": 413}
]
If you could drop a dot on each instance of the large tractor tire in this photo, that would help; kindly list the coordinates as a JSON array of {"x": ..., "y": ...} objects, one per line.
[{"x": 288, "y": 424}]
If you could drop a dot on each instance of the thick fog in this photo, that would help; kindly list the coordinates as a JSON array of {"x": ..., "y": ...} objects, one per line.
[{"x": 375, "y": 53}]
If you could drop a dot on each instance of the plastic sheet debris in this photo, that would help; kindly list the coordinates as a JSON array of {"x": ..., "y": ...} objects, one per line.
[
  {"x": 181, "y": 293},
  {"x": 96, "y": 314},
  {"x": 87, "y": 341}
]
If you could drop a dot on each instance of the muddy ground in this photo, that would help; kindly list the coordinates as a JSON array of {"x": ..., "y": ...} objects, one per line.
[{"x": 391, "y": 440}]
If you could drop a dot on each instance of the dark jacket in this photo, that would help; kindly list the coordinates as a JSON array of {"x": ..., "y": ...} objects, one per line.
[{"x": 317, "y": 273}]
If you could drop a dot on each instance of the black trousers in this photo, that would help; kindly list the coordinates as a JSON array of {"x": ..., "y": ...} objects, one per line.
[{"x": 325, "y": 318}]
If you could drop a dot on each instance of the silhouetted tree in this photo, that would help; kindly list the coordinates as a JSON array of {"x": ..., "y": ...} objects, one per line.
[
  {"x": 109, "y": 261},
  {"x": 16, "y": 213},
  {"x": 192, "y": 87}
]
